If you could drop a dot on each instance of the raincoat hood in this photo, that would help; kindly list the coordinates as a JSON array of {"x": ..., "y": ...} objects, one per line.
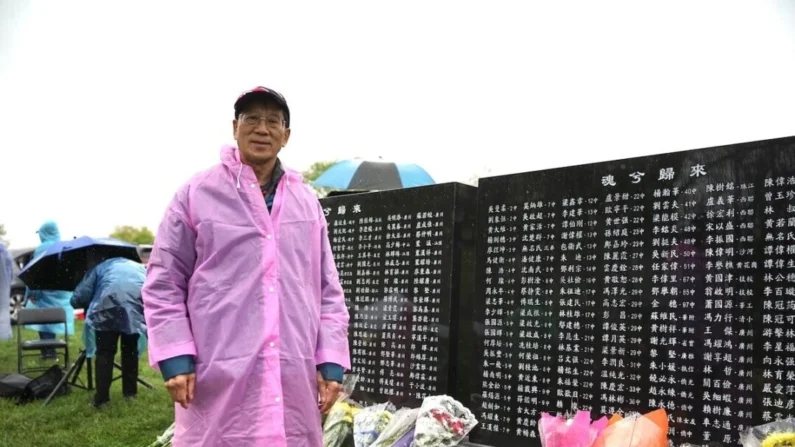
[
  {"x": 48, "y": 232},
  {"x": 230, "y": 158}
]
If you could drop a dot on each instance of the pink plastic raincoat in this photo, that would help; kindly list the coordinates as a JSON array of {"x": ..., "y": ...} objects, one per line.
[{"x": 255, "y": 296}]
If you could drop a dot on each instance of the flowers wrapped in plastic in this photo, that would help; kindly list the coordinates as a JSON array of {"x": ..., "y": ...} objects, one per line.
[
  {"x": 406, "y": 440},
  {"x": 779, "y": 433},
  {"x": 346, "y": 389},
  {"x": 555, "y": 431},
  {"x": 402, "y": 422},
  {"x": 442, "y": 422},
  {"x": 338, "y": 423},
  {"x": 648, "y": 430},
  {"x": 370, "y": 422}
]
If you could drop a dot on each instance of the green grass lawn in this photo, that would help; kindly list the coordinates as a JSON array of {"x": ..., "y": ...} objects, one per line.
[{"x": 70, "y": 421}]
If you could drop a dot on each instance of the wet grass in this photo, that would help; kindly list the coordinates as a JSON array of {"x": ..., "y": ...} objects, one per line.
[{"x": 70, "y": 420}]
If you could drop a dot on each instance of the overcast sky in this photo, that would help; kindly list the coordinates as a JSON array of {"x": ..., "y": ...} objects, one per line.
[{"x": 107, "y": 107}]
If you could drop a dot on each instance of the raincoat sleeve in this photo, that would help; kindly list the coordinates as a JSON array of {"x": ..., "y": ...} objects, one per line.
[
  {"x": 84, "y": 291},
  {"x": 165, "y": 289},
  {"x": 332, "y": 342},
  {"x": 332, "y": 371}
]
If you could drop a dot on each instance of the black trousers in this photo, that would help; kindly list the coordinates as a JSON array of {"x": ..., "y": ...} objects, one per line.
[{"x": 106, "y": 352}]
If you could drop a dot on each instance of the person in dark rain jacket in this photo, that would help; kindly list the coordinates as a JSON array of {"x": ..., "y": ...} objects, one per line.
[{"x": 111, "y": 294}]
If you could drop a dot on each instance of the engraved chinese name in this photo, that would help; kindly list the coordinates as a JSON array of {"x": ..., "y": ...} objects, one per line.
[
  {"x": 729, "y": 268},
  {"x": 427, "y": 296},
  {"x": 500, "y": 324},
  {"x": 395, "y": 305},
  {"x": 778, "y": 299},
  {"x": 577, "y": 304}
]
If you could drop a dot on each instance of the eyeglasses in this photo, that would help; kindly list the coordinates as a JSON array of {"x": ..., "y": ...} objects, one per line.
[{"x": 272, "y": 121}]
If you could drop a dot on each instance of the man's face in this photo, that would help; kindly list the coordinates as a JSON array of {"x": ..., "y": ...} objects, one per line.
[{"x": 260, "y": 132}]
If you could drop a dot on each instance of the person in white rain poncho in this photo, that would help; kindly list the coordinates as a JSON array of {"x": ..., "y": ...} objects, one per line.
[{"x": 6, "y": 277}]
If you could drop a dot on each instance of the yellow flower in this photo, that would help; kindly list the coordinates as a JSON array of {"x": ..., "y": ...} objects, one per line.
[{"x": 786, "y": 439}]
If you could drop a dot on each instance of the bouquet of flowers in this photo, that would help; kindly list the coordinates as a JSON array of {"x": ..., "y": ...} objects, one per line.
[
  {"x": 338, "y": 423},
  {"x": 648, "y": 430},
  {"x": 402, "y": 422},
  {"x": 779, "y": 433},
  {"x": 442, "y": 422},
  {"x": 347, "y": 387},
  {"x": 555, "y": 431},
  {"x": 370, "y": 422}
]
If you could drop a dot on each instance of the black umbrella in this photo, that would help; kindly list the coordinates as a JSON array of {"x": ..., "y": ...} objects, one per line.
[{"x": 64, "y": 264}]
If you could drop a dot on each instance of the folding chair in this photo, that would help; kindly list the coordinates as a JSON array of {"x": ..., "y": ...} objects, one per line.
[{"x": 53, "y": 315}]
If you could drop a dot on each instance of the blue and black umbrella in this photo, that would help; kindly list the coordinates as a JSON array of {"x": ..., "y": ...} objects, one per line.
[
  {"x": 64, "y": 264},
  {"x": 373, "y": 176}
]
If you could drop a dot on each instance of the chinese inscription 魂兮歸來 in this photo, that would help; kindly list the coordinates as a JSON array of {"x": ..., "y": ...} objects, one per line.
[{"x": 668, "y": 285}]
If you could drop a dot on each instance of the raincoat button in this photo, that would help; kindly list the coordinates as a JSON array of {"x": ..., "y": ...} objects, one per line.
[
  {"x": 278, "y": 399},
  {"x": 272, "y": 344},
  {"x": 268, "y": 236},
  {"x": 253, "y": 185},
  {"x": 270, "y": 289}
]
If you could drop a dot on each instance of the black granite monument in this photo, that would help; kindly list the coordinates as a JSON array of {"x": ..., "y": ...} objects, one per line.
[
  {"x": 404, "y": 258},
  {"x": 662, "y": 281}
]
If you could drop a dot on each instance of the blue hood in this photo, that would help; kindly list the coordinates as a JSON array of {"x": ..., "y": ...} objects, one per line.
[{"x": 48, "y": 232}]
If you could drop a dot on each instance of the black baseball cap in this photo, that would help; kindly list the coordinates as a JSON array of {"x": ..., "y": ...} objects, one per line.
[{"x": 260, "y": 94}]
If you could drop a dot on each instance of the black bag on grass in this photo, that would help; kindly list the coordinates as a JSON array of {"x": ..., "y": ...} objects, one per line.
[
  {"x": 42, "y": 386},
  {"x": 13, "y": 385}
]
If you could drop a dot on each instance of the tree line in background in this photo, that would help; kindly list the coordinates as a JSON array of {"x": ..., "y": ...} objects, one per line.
[
  {"x": 313, "y": 172},
  {"x": 145, "y": 236},
  {"x": 134, "y": 235}
]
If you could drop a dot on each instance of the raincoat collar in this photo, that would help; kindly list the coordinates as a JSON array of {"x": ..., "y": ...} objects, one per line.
[
  {"x": 278, "y": 173},
  {"x": 230, "y": 157},
  {"x": 48, "y": 232}
]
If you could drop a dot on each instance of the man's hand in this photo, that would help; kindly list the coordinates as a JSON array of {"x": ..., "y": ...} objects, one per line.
[
  {"x": 328, "y": 390},
  {"x": 181, "y": 388}
]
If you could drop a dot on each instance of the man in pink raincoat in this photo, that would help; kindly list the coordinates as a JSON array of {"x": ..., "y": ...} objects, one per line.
[{"x": 245, "y": 313}]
